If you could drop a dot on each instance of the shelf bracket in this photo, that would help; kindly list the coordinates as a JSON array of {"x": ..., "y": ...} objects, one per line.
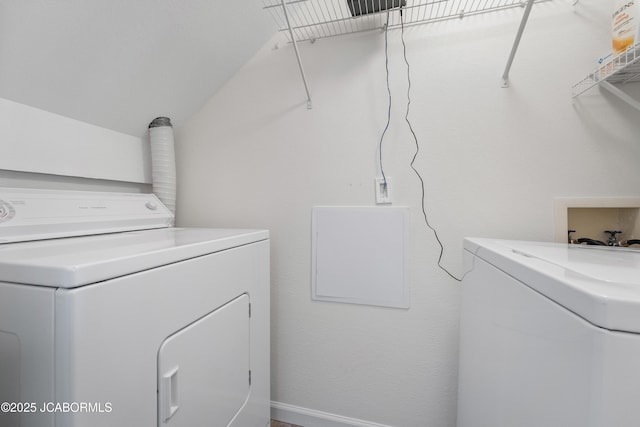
[
  {"x": 516, "y": 43},
  {"x": 295, "y": 48},
  {"x": 620, "y": 94}
]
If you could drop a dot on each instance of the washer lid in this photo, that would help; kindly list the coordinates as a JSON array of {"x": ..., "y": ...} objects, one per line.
[
  {"x": 78, "y": 261},
  {"x": 600, "y": 284},
  {"x": 29, "y": 214}
]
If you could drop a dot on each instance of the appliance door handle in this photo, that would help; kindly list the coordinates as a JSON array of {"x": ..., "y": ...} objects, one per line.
[{"x": 168, "y": 394}]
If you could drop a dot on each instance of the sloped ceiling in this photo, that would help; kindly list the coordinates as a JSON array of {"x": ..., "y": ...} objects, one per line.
[{"x": 121, "y": 63}]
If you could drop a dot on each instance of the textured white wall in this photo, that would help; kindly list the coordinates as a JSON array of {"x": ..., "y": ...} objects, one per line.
[
  {"x": 493, "y": 160},
  {"x": 119, "y": 64}
]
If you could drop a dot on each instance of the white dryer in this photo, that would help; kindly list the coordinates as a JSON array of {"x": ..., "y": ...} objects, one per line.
[
  {"x": 549, "y": 336},
  {"x": 111, "y": 317}
]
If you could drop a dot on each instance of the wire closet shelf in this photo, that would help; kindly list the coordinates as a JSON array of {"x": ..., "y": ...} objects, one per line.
[
  {"x": 623, "y": 68},
  {"x": 315, "y": 19}
]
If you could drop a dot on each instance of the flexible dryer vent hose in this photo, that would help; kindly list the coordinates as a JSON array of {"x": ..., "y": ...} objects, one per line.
[{"x": 163, "y": 163}]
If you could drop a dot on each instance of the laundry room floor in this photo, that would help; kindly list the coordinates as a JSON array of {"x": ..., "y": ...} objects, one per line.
[{"x": 275, "y": 423}]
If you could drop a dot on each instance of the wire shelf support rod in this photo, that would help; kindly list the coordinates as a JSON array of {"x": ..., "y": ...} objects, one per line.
[{"x": 297, "y": 52}]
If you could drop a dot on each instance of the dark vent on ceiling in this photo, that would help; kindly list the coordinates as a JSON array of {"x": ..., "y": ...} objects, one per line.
[{"x": 365, "y": 7}]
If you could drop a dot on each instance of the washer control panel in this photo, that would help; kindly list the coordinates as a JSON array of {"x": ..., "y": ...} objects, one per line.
[{"x": 28, "y": 214}]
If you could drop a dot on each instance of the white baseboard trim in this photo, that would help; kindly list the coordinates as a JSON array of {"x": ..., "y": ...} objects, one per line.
[{"x": 311, "y": 418}]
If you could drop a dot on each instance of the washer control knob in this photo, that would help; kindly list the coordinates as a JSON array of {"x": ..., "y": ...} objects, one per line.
[
  {"x": 6, "y": 211},
  {"x": 151, "y": 206}
]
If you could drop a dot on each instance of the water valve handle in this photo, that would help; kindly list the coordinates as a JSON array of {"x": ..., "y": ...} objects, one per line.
[{"x": 611, "y": 241}]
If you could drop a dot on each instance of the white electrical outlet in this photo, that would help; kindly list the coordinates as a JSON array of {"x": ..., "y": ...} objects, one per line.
[{"x": 383, "y": 191}]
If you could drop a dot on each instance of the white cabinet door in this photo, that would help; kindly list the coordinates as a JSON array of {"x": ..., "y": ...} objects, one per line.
[{"x": 203, "y": 369}]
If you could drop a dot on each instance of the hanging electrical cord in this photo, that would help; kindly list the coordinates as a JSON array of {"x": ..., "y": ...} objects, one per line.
[
  {"x": 386, "y": 63},
  {"x": 415, "y": 138}
]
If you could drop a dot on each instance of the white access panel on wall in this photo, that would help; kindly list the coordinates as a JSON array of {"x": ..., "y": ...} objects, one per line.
[
  {"x": 359, "y": 255},
  {"x": 203, "y": 369}
]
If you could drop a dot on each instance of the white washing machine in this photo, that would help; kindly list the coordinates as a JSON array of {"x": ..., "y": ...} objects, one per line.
[
  {"x": 111, "y": 317},
  {"x": 550, "y": 336}
]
